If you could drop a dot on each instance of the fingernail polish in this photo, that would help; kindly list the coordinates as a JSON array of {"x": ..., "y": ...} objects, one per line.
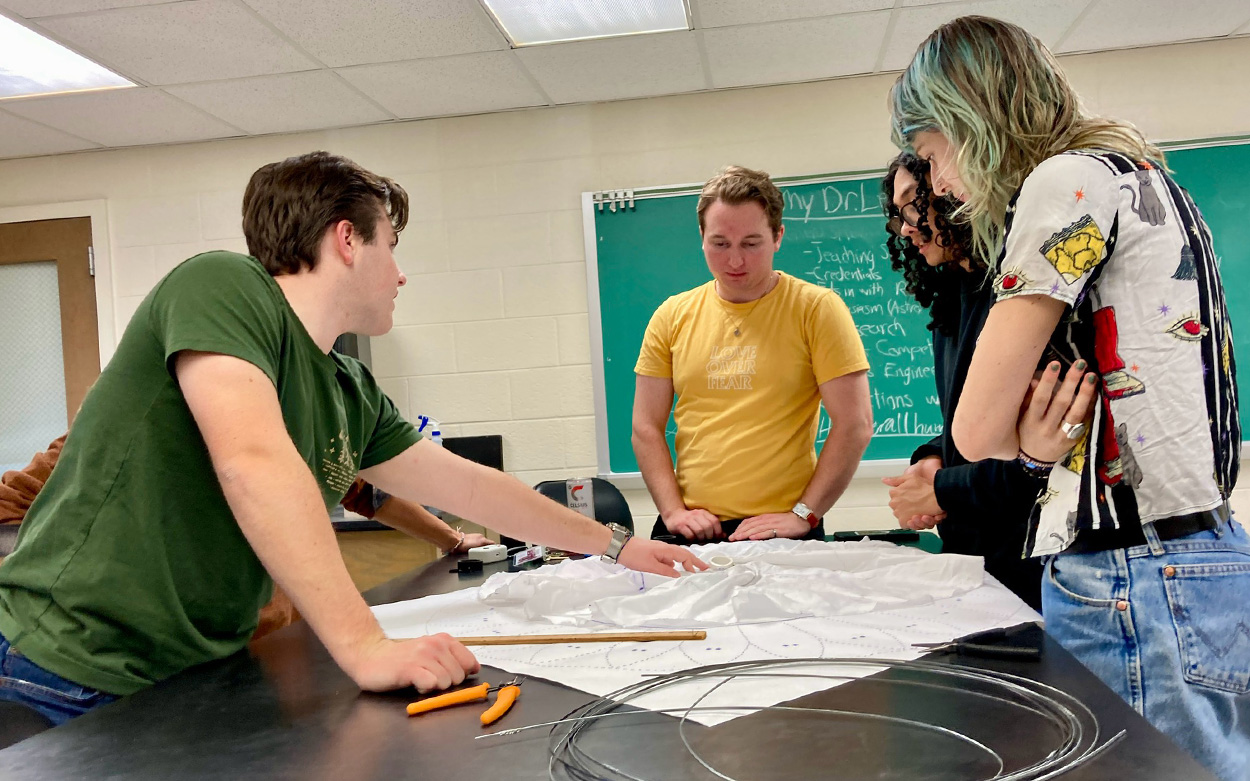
[
  {"x": 1080, "y": 365},
  {"x": 1054, "y": 366},
  {"x": 1091, "y": 378}
]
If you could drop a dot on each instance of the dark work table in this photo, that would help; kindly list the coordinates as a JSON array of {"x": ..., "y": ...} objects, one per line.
[{"x": 283, "y": 710}]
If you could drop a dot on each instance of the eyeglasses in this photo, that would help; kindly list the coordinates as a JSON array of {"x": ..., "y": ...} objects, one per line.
[{"x": 910, "y": 214}]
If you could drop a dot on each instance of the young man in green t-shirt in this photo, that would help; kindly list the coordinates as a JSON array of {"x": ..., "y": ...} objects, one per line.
[{"x": 204, "y": 459}]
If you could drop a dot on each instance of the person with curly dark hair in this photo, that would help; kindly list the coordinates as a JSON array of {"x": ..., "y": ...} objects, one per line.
[{"x": 980, "y": 508}]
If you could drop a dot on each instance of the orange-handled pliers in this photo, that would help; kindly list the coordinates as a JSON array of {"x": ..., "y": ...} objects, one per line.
[{"x": 508, "y": 692}]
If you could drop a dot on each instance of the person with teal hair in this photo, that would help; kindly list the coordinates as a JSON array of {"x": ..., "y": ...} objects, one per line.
[{"x": 1103, "y": 264}]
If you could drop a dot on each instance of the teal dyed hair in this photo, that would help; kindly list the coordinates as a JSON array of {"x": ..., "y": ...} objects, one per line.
[{"x": 998, "y": 95}]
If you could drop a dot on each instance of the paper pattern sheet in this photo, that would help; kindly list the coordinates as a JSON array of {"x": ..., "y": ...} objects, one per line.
[{"x": 881, "y": 623}]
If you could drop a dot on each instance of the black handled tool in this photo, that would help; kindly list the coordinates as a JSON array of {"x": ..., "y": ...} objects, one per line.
[{"x": 1022, "y": 642}]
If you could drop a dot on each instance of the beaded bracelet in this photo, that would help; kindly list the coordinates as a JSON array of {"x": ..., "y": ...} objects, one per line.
[
  {"x": 459, "y": 542},
  {"x": 1033, "y": 466}
]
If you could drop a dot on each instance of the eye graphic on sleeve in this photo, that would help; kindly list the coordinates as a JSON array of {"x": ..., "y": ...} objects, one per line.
[
  {"x": 1009, "y": 283},
  {"x": 1188, "y": 329}
]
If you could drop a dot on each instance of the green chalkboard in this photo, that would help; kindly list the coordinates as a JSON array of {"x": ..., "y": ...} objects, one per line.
[
  {"x": 1218, "y": 178},
  {"x": 648, "y": 248}
]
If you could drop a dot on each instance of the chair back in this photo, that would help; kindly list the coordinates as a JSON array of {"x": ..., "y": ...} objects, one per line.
[{"x": 609, "y": 505}]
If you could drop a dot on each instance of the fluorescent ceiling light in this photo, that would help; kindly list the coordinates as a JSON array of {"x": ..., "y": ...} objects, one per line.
[
  {"x": 33, "y": 65},
  {"x": 528, "y": 22}
]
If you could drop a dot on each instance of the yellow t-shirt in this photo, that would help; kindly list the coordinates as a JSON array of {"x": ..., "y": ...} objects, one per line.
[{"x": 747, "y": 405}]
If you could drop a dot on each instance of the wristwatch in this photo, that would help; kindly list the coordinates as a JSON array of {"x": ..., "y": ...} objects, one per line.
[
  {"x": 805, "y": 512},
  {"x": 620, "y": 536}
]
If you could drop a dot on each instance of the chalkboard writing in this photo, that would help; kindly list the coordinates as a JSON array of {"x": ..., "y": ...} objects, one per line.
[{"x": 837, "y": 232}]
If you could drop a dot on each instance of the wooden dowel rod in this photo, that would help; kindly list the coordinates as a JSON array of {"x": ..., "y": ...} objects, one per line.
[{"x": 591, "y": 637}]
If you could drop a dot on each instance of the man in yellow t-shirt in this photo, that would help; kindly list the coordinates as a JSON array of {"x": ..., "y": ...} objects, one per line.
[{"x": 750, "y": 355}]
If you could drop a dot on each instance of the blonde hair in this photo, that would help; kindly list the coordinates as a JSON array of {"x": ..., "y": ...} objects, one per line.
[
  {"x": 998, "y": 95},
  {"x": 734, "y": 185}
]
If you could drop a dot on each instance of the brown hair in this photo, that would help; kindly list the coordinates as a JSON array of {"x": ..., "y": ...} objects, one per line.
[
  {"x": 288, "y": 206},
  {"x": 734, "y": 185}
]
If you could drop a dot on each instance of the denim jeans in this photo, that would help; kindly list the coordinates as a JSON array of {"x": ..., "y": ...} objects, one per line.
[
  {"x": 25, "y": 682},
  {"x": 1166, "y": 625}
]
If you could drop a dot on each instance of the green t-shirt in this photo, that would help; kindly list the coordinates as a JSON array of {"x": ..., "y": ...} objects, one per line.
[{"x": 130, "y": 566}]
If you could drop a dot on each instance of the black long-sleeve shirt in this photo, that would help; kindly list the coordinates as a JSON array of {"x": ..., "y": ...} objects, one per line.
[{"x": 987, "y": 503}]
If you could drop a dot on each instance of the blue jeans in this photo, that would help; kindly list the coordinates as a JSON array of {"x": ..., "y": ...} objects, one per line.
[
  {"x": 1166, "y": 625},
  {"x": 25, "y": 682}
]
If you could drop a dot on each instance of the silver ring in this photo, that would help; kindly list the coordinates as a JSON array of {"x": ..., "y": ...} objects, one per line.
[
  {"x": 774, "y": 531},
  {"x": 1072, "y": 430}
]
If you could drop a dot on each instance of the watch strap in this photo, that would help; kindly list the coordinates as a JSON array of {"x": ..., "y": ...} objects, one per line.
[
  {"x": 805, "y": 512},
  {"x": 620, "y": 536}
]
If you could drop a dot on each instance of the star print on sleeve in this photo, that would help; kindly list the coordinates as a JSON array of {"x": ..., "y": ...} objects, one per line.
[{"x": 1080, "y": 195}]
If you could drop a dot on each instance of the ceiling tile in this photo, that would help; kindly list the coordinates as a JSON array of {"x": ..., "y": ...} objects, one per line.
[
  {"x": 801, "y": 50},
  {"x": 197, "y": 40},
  {"x": 1114, "y": 24},
  {"x": 1047, "y": 19},
  {"x": 283, "y": 103},
  {"x": 616, "y": 68},
  {"x": 33, "y": 9},
  {"x": 725, "y": 13},
  {"x": 23, "y": 138},
  {"x": 383, "y": 30},
  {"x": 468, "y": 84},
  {"x": 124, "y": 117}
]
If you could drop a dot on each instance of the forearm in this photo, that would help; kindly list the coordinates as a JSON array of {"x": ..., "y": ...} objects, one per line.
[
  {"x": 416, "y": 521},
  {"x": 656, "y": 464},
  {"x": 839, "y": 458},
  {"x": 1007, "y": 352},
  {"x": 278, "y": 507},
  {"x": 989, "y": 488},
  {"x": 426, "y": 472}
]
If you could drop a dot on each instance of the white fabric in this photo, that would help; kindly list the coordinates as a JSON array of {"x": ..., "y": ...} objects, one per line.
[
  {"x": 768, "y": 581},
  {"x": 862, "y": 600}
]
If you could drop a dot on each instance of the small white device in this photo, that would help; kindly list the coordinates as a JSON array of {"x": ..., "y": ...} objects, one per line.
[{"x": 489, "y": 554}]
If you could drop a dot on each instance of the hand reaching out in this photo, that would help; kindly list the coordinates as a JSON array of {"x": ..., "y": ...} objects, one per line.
[{"x": 658, "y": 558}]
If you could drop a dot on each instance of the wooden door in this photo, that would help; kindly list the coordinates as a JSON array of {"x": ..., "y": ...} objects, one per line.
[{"x": 67, "y": 242}]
